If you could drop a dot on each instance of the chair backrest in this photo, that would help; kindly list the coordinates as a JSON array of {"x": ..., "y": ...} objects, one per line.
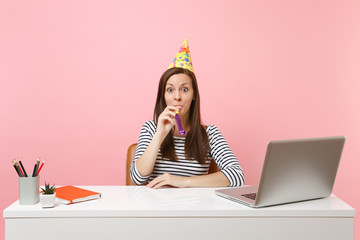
[{"x": 130, "y": 156}]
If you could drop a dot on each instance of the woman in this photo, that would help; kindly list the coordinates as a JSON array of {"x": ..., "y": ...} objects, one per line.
[{"x": 164, "y": 157}]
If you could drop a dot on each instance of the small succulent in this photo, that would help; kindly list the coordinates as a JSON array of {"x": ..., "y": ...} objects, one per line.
[{"x": 48, "y": 189}]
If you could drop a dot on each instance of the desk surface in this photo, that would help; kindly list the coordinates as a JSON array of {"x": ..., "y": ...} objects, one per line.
[{"x": 139, "y": 201}]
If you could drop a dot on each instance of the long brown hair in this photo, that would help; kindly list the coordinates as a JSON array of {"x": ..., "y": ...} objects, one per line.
[{"x": 197, "y": 141}]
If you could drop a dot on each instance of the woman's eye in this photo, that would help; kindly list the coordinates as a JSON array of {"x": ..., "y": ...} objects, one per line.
[
  {"x": 169, "y": 90},
  {"x": 184, "y": 89}
]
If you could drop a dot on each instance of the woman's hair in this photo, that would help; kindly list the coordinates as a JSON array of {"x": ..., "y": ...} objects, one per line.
[{"x": 197, "y": 141}]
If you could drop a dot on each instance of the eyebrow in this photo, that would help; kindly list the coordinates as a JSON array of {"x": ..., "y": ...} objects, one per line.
[{"x": 173, "y": 84}]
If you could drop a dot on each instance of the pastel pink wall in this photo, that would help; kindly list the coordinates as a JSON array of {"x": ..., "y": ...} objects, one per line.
[{"x": 78, "y": 79}]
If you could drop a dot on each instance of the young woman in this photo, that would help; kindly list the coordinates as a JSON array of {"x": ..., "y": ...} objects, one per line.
[{"x": 164, "y": 157}]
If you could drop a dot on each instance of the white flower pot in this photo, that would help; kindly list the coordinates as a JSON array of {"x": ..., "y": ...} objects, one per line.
[{"x": 47, "y": 200}]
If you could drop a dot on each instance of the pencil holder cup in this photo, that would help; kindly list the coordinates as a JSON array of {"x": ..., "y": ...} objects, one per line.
[{"x": 28, "y": 190}]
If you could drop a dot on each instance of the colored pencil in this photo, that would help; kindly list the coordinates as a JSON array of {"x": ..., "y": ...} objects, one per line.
[
  {"x": 18, "y": 166},
  {"x": 36, "y": 167},
  {"x": 22, "y": 166},
  {"x": 40, "y": 167},
  {"x": 17, "y": 170}
]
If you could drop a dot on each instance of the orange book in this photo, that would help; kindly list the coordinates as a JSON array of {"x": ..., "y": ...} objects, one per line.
[{"x": 71, "y": 194}]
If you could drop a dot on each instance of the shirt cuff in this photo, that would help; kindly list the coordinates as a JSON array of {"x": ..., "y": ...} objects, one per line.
[{"x": 136, "y": 176}]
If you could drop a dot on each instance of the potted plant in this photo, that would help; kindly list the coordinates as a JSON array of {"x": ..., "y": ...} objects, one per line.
[{"x": 47, "y": 196}]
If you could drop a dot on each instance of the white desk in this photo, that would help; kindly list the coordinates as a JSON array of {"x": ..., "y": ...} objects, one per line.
[{"x": 197, "y": 213}]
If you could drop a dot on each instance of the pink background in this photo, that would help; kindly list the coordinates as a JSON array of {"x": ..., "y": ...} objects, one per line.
[{"x": 79, "y": 78}]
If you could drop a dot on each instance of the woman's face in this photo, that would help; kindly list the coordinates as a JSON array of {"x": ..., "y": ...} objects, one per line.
[{"x": 179, "y": 92}]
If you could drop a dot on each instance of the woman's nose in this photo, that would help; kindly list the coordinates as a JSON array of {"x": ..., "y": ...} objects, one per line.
[{"x": 177, "y": 95}]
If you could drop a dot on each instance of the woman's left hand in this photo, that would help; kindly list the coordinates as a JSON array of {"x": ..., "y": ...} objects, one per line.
[{"x": 167, "y": 180}]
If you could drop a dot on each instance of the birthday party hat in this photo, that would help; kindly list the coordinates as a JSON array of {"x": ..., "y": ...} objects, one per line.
[{"x": 183, "y": 58}]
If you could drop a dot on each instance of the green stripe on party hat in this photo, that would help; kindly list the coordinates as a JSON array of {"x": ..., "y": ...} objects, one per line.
[{"x": 183, "y": 58}]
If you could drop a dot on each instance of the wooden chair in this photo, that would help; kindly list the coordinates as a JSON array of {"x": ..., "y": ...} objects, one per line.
[{"x": 130, "y": 156}]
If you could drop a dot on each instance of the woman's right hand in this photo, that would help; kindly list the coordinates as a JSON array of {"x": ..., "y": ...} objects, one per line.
[{"x": 166, "y": 121}]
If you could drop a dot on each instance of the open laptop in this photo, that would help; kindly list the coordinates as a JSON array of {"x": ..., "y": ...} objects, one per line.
[{"x": 293, "y": 170}]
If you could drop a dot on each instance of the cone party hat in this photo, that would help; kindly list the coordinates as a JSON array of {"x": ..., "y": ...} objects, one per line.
[{"x": 183, "y": 58}]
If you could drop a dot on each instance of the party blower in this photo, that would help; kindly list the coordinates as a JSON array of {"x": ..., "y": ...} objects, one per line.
[{"x": 178, "y": 122}]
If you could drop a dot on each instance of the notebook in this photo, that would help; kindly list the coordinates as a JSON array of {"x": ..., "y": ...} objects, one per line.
[
  {"x": 71, "y": 194},
  {"x": 293, "y": 170}
]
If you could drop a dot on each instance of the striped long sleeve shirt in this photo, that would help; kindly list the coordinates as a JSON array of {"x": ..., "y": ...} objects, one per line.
[{"x": 219, "y": 151}]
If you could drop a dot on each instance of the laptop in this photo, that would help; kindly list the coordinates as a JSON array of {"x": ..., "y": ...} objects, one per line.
[{"x": 293, "y": 170}]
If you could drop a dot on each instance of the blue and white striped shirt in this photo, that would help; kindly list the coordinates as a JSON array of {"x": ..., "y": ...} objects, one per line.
[{"x": 219, "y": 151}]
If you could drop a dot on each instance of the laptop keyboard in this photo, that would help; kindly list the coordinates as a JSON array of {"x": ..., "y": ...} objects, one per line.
[{"x": 250, "y": 195}]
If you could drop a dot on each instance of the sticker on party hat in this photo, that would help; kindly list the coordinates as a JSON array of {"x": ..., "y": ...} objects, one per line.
[{"x": 183, "y": 58}]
